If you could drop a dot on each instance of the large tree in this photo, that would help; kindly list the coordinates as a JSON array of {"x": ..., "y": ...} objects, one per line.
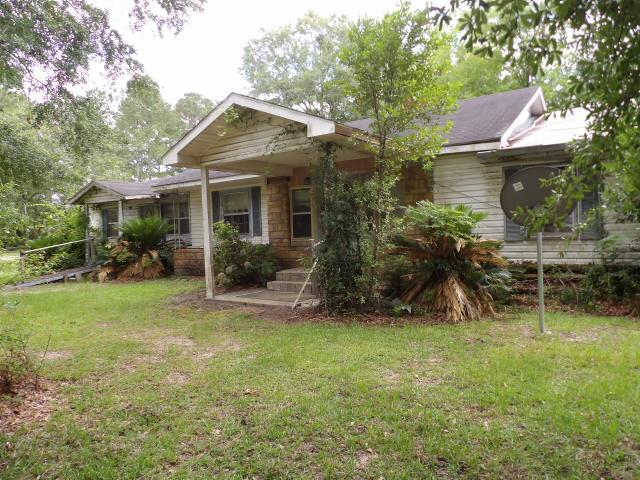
[
  {"x": 146, "y": 127},
  {"x": 601, "y": 39},
  {"x": 397, "y": 82},
  {"x": 48, "y": 45},
  {"x": 191, "y": 108},
  {"x": 296, "y": 65}
]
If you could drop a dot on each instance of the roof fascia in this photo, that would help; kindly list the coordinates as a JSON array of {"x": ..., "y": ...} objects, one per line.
[
  {"x": 534, "y": 107},
  {"x": 212, "y": 181},
  {"x": 83, "y": 191},
  {"x": 470, "y": 147}
]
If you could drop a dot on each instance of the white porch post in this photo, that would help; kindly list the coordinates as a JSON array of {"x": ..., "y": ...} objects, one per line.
[
  {"x": 207, "y": 232},
  {"x": 120, "y": 217}
]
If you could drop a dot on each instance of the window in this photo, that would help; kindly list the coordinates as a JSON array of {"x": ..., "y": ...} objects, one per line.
[
  {"x": 580, "y": 213},
  {"x": 301, "y": 213},
  {"x": 176, "y": 214},
  {"x": 236, "y": 210},
  {"x": 110, "y": 222},
  {"x": 147, "y": 211}
]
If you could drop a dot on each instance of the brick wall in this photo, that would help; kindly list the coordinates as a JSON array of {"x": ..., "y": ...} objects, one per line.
[
  {"x": 279, "y": 223},
  {"x": 189, "y": 262}
]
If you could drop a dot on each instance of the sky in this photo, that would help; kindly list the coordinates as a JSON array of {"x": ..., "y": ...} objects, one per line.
[{"x": 206, "y": 56}]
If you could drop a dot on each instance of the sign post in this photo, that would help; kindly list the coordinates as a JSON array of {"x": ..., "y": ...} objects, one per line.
[{"x": 540, "y": 284}]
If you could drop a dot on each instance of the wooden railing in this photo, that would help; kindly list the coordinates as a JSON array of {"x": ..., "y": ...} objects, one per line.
[{"x": 90, "y": 250}]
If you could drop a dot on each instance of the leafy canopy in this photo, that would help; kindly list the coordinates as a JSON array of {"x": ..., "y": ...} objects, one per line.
[
  {"x": 296, "y": 65},
  {"x": 602, "y": 41}
]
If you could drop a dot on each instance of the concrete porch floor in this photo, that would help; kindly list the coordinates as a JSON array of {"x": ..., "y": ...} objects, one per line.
[{"x": 262, "y": 296}]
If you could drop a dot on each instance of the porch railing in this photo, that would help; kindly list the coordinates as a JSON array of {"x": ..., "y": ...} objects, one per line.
[{"x": 89, "y": 257}]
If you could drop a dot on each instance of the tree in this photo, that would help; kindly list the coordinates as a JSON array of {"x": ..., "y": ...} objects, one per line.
[
  {"x": 48, "y": 45},
  {"x": 296, "y": 66},
  {"x": 604, "y": 41},
  {"x": 398, "y": 82},
  {"x": 146, "y": 127},
  {"x": 191, "y": 108}
]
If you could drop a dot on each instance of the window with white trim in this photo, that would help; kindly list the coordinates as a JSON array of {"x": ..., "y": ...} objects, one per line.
[
  {"x": 236, "y": 210},
  {"x": 175, "y": 211},
  {"x": 301, "y": 213},
  {"x": 110, "y": 222}
]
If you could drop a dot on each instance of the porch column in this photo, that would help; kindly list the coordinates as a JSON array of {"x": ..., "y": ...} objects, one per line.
[
  {"x": 206, "y": 232},
  {"x": 120, "y": 217}
]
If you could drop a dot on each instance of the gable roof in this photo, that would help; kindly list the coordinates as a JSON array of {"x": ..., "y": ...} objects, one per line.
[
  {"x": 316, "y": 126},
  {"x": 482, "y": 119}
]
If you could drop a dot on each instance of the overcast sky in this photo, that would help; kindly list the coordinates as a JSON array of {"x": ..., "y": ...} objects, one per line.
[{"x": 206, "y": 56}]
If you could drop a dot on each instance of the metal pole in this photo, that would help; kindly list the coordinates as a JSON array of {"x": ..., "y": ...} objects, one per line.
[{"x": 540, "y": 285}]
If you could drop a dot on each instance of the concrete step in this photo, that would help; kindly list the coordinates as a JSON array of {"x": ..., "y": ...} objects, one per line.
[
  {"x": 292, "y": 275},
  {"x": 292, "y": 287}
]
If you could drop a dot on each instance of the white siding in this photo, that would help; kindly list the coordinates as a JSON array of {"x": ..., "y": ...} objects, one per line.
[
  {"x": 96, "y": 195},
  {"x": 464, "y": 178},
  {"x": 195, "y": 208}
]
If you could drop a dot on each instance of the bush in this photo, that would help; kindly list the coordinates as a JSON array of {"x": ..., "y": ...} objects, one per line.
[
  {"x": 452, "y": 271},
  {"x": 137, "y": 256},
  {"x": 239, "y": 262},
  {"x": 610, "y": 282},
  {"x": 345, "y": 255},
  {"x": 16, "y": 362}
]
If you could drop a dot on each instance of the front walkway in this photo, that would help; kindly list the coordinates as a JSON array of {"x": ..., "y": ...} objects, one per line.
[{"x": 263, "y": 296}]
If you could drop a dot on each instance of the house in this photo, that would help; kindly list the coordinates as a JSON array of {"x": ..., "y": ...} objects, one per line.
[{"x": 249, "y": 163}]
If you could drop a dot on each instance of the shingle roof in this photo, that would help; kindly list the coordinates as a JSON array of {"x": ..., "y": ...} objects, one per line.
[
  {"x": 128, "y": 189},
  {"x": 479, "y": 119},
  {"x": 189, "y": 175}
]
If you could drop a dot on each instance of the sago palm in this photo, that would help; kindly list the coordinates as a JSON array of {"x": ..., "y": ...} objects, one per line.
[{"x": 452, "y": 271}]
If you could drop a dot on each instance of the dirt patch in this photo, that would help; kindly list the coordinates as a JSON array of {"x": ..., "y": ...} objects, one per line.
[
  {"x": 283, "y": 314},
  {"x": 227, "y": 346},
  {"x": 584, "y": 336},
  {"x": 425, "y": 382},
  {"x": 178, "y": 378},
  {"x": 364, "y": 458},
  {"x": 55, "y": 355},
  {"x": 33, "y": 402}
]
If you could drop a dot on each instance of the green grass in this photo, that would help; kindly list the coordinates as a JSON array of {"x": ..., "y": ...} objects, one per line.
[
  {"x": 9, "y": 267},
  {"x": 155, "y": 391}
]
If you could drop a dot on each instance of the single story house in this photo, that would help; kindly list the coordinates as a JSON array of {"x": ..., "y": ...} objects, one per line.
[{"x": 249, "y": 162}]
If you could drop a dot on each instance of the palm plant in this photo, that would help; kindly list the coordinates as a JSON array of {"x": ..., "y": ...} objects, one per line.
[
  {"x": 452, "y": 270},
  {"x": 137, "y": 255}
]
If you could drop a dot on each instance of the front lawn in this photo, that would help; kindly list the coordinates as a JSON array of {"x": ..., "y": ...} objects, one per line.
[{"x": 151, "y": 389}]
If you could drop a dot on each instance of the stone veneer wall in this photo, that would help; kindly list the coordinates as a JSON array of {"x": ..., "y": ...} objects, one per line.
[
  {"x": 189, "y": 262},
  {"x": 279, "y": 223}
]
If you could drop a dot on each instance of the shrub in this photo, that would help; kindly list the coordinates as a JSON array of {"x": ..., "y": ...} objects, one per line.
[
  {"x": 16, "y": 362},
  {"x": 345, "y": 256},
  {"x": 239, "y": 262},
  {"x": 137, "y": 256},
  {"x": 452, "y": 271},
  {"x": 144, "y": 234},
  {"x": 615, "y": 282}
]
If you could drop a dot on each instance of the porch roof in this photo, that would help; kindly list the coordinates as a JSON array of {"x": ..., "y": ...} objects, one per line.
[{"x": 244, "y": 134}]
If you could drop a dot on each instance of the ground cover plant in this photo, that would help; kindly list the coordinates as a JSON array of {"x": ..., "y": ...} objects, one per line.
[{"x": 150, "y": 385}]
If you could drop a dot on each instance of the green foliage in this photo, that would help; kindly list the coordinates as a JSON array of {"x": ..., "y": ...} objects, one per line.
[
  {"x": 610, "y": 282},
  {"x": 48, "y": 45},
  {"x": 239, "y": 262},
  {"x": 145, "y": 233},
  {"x": 452, "y": 271},
  {"x": 600, "y": 39},
  {"x": 16, "y": 362},
  {"x": 344, "y": 256},
  {"x": 296, "y": 65},
  {"x": 397, "y": 81}
]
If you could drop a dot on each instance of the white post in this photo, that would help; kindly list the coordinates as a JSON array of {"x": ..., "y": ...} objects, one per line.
[
  {"x": 120, "y": 217},
  {"x": 207, "y": 232},
  {"x": 540, "y": 285}
]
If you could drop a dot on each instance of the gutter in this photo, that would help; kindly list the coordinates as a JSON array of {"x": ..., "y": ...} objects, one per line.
[{"x": 514, "y": 152}]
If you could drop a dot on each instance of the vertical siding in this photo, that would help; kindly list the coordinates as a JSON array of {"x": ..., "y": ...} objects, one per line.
[{"x": 464, "y": 178}]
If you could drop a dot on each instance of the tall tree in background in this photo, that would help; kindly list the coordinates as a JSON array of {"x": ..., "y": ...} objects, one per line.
[
  {"x": 191, "y": 108},
  {"x": 296, "y": 65},
  {"x": 397, "y": 82},
  {"x": 603, "y": 39},
  {"x": 146, "y": 127}
]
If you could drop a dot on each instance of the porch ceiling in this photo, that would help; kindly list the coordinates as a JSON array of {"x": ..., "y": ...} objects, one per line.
[{"x": 262, "y": 138}]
